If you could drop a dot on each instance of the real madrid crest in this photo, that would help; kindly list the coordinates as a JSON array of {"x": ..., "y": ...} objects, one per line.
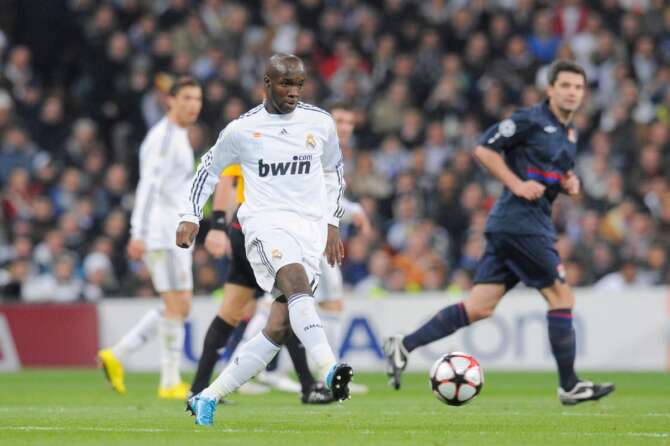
[{"x": 310, "y": 141}]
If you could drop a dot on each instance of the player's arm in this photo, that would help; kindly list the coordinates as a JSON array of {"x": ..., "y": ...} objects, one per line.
[
  {"x": 494, "y": 142},
  {"x": 221, "y": 155},
  {"x": 354, "y": 212},
  {"x": 217, "y": 242},
  {"x": 333, "y": 172},
  {"x": 155, "y": 156}
]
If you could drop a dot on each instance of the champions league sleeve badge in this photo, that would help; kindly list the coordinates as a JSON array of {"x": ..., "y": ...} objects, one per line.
[{"x": 507, "y": 128}]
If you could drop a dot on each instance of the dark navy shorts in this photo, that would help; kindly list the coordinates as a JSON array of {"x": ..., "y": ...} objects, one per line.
[
  {"x": 240, "y": 272},
  {"x": 510, "y": 258}
]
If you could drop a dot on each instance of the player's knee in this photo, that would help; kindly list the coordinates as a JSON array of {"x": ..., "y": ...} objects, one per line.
[
  {"x": 278, "y": 334},
  {"x": 185, "y": 308},
  {"x": 564, "y": 298},
  {"x": 292, "y": 279},
  {"x": 332, "y": 305},
  {"x": 231, "y": 316},
  {"x": 559, "y": 296},
  {"x": 479, "y": 312}
]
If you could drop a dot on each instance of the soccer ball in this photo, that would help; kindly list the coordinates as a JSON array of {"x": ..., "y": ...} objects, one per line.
[{"x": 456, "y": 378}]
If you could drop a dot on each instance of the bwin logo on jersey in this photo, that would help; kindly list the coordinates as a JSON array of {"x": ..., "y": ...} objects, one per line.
[{"x": 300, "y": 165}]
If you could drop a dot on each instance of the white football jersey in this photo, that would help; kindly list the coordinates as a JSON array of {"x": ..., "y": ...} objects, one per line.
[
  {"x": 290, "y": 163},
  {"x": 166, "y": 168}
]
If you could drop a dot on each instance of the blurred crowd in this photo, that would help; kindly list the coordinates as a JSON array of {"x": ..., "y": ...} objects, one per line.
[{"x": 81, "y": 81}]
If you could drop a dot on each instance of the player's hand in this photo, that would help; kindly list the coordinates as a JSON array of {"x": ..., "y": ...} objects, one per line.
[
  {"x": 530, "y": 190},
  {"x": 186, "y": 232},
  {"x": 217, "y": 243},
  {"x": 334, "y": 246},
  {"x": 570, "y": 183},
  {"x": 362, "y": 223},
  {"x": 135, "y": 249}
]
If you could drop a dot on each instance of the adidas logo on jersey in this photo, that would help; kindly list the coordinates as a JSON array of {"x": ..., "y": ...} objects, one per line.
[{"x": 301, "y": 164}]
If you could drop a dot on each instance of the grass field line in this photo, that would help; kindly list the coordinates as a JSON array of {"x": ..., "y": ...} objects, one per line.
[
  {"x": 614, "y": 415},
  {"x": 150, "y": 430},
  {"x": 85, "y": 429},
  {"x": 620, "y": 434},
  {"x": 291, "y": 431},
  {"x": 171, "y": 410}
]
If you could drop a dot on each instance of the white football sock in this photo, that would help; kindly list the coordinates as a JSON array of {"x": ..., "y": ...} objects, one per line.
[
  {"x": 172, "y": 343},
  {"x": 308, "y": 328},
  {"x": 332, "y": 325},
  {"x": 249, "y": 360},
  {"x": 141, "y": 333}
]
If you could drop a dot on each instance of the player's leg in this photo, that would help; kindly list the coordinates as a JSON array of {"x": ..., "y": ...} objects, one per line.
[
  {"x": 479, "y": 305},
  {"x": 492, "y": 280},
  {"x": 285, "y": 275},
  {"x": 111, "y": 359},
  {"x": 231, "y": 312},
  {"x": 562, "y": 338},
  {"x": 292, "y": 280},
  {"x": 171, "y": 340},
  {"x": 253, "y": 356},
  {"x": 271, "y": 377},
  {"x": 330, "y": 298},
  {"x": 535, "y": 260},
  {"x": 311, "y": 393}
]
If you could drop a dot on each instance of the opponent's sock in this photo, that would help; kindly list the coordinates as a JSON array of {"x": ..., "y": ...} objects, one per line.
[
  {"x": 171, "y": 334},
  {"x": 251, "y": 358},
  {"x": 332, "y": 325},
  {"x": 272, "y": 365},
  {"x": 444, "y": 323},
  {"x": 216, "y": 338},
  {"x": 308, "y": 328},
  {"x": 563, "y": 345},
  {"x": 141, "y": 333},
  {"x": 299, "y": 358}
]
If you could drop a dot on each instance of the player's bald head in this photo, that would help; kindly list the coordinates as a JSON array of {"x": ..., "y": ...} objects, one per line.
[
  {"x": 284, "y": 65},
  {"x": 284, "y": 79}
]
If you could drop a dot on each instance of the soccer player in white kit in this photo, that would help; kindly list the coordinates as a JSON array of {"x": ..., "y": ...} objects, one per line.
[
  {"x": 292, "y": 166},
  {"x": 330, "y": 293},
  {"x": 166, "y": 168}
]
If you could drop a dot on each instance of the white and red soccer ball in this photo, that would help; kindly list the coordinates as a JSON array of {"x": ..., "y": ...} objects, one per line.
[{"x": 456, "y": 378}]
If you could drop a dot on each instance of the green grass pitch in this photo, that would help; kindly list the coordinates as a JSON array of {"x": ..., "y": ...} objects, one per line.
[{"x": 64, "y": 407}]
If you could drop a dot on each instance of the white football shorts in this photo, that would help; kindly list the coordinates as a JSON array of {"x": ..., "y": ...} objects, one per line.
[
  {"x": 170, "y": 269},
  {"x": 279, "y": 239},
  {"x": 330, "y": 285}
]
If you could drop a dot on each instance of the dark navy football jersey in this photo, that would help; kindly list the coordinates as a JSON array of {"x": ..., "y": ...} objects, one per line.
[{"x": 536, "y": 146}]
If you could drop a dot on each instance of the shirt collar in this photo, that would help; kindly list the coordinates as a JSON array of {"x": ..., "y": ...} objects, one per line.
[{"x": 544, "y": 106}]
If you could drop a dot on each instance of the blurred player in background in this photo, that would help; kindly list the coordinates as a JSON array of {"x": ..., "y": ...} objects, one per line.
[
  {"x": 166, "y": 167},
  {"x": 330, "y": 293},
  {"x": 292, "y": 167},
  {"x": 533, "y": 155}
]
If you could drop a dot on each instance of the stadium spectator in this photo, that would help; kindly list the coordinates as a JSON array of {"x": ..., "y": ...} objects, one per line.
[
  {"x": 425, "y": 78},
  {"x": 61, "y": 285}
]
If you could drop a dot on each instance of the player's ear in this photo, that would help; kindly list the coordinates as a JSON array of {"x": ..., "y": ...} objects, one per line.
[{"x": 266, "y": 80}]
